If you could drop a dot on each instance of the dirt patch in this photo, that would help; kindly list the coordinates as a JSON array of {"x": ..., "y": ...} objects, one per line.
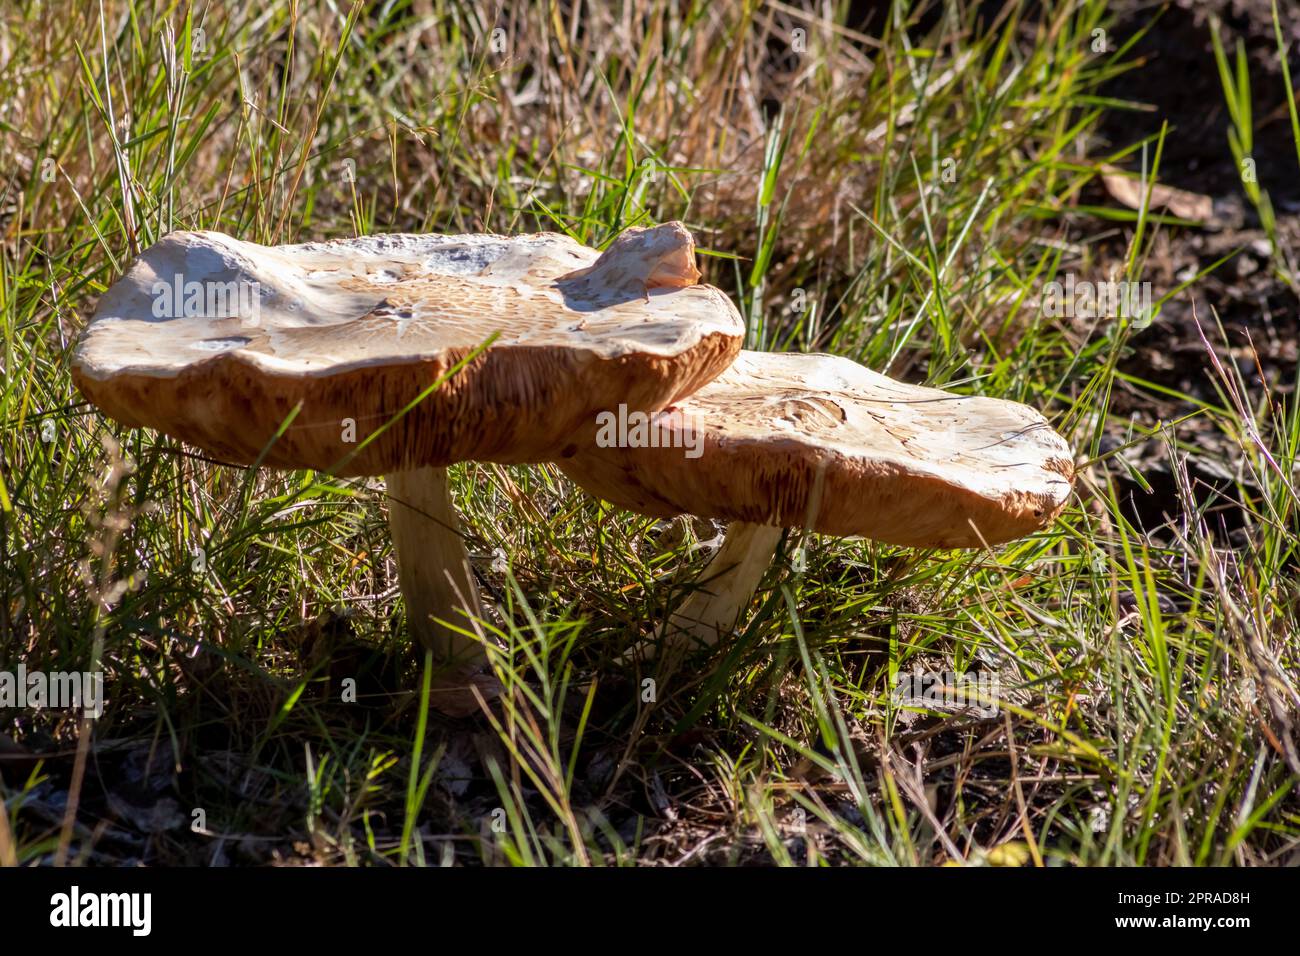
[{"x": 1178, "y": 81}]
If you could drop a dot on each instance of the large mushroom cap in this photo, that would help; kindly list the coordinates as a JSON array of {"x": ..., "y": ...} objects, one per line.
[
  {"x": 820, "y": 442},
  {"x": 216, "y": 341}
]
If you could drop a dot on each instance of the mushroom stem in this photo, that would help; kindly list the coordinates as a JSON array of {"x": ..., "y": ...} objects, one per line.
[
  {"x": 727, "y": 583},
  {"x": 433, "y": 568}
]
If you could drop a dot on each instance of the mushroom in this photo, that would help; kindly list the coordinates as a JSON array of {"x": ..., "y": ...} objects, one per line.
[
  {"x": 822, "y": 443},
  {"x": 327, "y": 356}
]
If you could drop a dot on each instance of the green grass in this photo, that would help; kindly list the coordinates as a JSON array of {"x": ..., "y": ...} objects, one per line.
[{"x": 226, "y": 606}]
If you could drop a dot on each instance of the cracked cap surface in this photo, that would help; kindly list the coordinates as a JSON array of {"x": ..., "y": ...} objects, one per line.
[
  {"x": 820, "y": 442},
  {"x": 215, "y": 341}
]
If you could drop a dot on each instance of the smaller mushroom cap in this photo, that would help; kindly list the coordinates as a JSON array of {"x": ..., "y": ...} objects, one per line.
[
  {"x": 216, "y": 341},
  {"x": 820, "y": 442}
]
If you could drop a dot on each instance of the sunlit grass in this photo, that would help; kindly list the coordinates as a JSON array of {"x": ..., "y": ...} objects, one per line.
[{"x": 899, "y": 198}]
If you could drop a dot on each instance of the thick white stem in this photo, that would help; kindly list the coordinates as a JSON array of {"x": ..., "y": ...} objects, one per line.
[
  {"x": 433, "y": 568},
  {"x": 727, "y": 584}
]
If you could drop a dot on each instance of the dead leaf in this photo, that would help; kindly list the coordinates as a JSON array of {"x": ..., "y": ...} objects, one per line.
[
  {"x": 1128, "y": 191},
  {"x": 1013, "y": 853}
]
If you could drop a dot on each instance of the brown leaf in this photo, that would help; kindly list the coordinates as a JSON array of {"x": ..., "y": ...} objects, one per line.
[{"x": 1128, "y": 190}]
